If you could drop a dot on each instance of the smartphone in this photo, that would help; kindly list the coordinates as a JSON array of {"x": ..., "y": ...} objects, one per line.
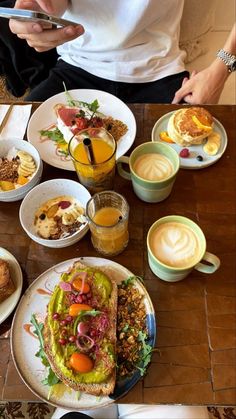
[{"x": 33, "y": 16}]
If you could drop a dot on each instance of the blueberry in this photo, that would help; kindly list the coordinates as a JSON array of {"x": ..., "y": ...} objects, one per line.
[{"x": 199, "y": 158}]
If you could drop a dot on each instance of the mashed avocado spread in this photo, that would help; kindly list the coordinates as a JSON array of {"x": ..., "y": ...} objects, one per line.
[{"x": 103, "y": 351}]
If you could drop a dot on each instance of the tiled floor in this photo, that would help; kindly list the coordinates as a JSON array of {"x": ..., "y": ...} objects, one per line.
[{"x": 45, "y": 411}]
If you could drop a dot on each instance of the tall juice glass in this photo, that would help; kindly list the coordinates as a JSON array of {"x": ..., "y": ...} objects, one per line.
[
  {"x": 108, "y": 214},
  {"x": 97, "y": 175}
]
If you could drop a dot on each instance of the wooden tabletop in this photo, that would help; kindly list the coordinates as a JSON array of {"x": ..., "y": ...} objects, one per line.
[{"x": 196, "y": 339}]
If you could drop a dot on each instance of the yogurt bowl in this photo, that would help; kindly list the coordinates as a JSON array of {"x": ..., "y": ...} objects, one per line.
[
  {"x": 8, "y": 149},
  {"x": 52, "y": 213}
]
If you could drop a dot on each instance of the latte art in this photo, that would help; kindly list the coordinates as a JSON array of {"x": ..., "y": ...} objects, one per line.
[
  {"x": 175, "y": 245},
  {"x": 153, "y": 166}
]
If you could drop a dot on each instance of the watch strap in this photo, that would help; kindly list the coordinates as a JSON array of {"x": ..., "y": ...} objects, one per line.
[{"x": 228, "y": 59}]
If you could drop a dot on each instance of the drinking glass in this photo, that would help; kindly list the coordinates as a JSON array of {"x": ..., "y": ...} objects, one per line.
[
  {"x": 96, "y": 174},
  {"x": 108, "y": 214}
]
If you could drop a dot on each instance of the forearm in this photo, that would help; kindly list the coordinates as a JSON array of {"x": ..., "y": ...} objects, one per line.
[{"x": 230, "y": 44}]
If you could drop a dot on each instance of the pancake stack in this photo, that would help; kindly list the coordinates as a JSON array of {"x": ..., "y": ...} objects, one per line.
[{"x": 190, "y": 126}]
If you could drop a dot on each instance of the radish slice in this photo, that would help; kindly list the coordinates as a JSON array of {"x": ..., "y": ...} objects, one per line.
[
  {"x": 65, "y": 286},
  {"x": 82, "y": 328},
  {"x": 84, "y": 343}
]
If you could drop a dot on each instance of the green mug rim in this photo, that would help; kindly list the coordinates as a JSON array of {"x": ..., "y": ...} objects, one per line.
[
  {"x": 158, "y": 144},
  {"x": 181, "y": 218}
]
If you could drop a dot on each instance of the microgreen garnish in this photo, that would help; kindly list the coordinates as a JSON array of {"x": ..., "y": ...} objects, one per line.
[
  {"x": 146, "y": 353},
  {"x": 130, "y": 280}
]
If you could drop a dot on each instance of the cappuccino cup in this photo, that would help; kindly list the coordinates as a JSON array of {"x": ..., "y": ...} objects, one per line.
[
  {"x": 176, "y": 245},
  {"x": 153, "y": 169}
]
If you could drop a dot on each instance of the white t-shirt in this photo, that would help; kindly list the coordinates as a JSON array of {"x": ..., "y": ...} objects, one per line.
[{"x": 131, "y": 41}]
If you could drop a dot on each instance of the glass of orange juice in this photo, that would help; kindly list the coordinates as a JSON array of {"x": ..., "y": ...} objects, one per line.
[
  {"x": 108, "y": 214},
  {"x": 96, "y": 174}
]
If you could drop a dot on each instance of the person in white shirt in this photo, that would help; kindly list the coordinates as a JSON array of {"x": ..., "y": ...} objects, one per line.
[
  {"x": 127, "y": 48},
  {"x": 136, "y": 411}
]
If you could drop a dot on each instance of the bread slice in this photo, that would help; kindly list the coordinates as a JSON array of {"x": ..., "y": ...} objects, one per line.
[
  {"x": 105, "y": 387},
  {"x": 7, "y": 286}
]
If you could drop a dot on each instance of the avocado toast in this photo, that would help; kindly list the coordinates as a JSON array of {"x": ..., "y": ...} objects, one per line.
[{"x": 80, "y": 330}]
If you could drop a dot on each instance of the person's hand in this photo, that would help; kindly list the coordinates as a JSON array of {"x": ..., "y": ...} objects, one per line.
[
  {"x": 203, "y": 87},
  {"x": 41, "y": 36}
]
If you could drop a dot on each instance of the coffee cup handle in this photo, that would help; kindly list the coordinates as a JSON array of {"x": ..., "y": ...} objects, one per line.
[
  {"x": 208, "y": 269},
  {"x": 121, "y": 171}
]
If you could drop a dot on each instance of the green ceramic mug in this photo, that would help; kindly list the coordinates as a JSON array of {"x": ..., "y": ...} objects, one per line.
[
  {"x": 153, "y": 169},
  {"x": 176, "y": 245}
]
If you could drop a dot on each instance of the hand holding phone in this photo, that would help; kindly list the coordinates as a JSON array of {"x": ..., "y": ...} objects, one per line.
[{"x": 40, "y": 30}]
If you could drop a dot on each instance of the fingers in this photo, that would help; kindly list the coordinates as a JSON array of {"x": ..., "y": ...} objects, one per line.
[
  {"x": 184, "y": 80},
  {"x": 194, "y": 72},
  {"x": 182, "y": 92},
  {"x": 46, "y": 5},
  {"x": 51, "y": 38}
]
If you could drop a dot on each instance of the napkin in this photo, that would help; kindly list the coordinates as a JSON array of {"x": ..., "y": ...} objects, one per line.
[{"x": 17, "y": 122}]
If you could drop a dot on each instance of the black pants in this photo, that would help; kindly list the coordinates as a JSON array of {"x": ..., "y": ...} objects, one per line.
[{"x": 161, "y": 91}]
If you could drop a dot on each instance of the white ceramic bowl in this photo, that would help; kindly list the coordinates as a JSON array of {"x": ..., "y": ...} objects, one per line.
[
  {"x": 41, "y": 194},
  {"x": 19, "y": 193}
]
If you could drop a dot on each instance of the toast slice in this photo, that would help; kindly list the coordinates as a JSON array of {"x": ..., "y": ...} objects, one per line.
[
  {"x": 101, "y": 379},
  {"x": 7, "y": 286}
]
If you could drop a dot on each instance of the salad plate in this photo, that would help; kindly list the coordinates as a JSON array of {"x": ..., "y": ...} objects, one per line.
[
  {"x": 191, "y": 162},
  {"x": 8, "y": 305},
  {"x": 25, "y": 344},
  {"x": 45, "y": 116}
]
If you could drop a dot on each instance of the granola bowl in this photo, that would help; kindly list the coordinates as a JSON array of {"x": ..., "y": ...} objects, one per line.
[
  {"x": 52, "y": 213},
  {"x": 20, "y": 169}
]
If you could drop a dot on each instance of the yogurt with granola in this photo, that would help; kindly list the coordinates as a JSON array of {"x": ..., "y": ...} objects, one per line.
[{"x": 59, "y": 217}]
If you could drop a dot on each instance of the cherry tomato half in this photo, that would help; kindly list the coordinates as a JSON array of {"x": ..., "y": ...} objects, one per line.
[
  {"x": 81, "y": 362},
  {"x": 75, "y": 309}
]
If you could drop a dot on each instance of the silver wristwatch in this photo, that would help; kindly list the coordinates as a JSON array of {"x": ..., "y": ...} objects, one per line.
[{"x": 229, "y": 59}]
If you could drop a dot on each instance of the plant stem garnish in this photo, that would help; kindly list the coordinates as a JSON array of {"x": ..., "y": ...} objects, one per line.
[
  {"x": 92, "y": 107},
  {"x": 51, "y": 378}
]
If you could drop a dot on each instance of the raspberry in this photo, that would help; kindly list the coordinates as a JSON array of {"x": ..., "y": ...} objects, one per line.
[
  {"x": 184, "y": 152},
  {"x": 64, "y": 204}
]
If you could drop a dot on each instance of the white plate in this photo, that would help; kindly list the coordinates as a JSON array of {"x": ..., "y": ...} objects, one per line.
[
  {"x": 44, "y": 116},
  {"x": 8, "y": 305},
  {"x": 191, "y": 162},
  {"x": 24, "y": 345}
]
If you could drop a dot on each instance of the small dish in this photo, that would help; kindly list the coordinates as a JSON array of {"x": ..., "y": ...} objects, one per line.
[
  {"x": 191, "y": 161},
  {"x": 8, "y": 305},
  {"x": 40, "y": 195}
]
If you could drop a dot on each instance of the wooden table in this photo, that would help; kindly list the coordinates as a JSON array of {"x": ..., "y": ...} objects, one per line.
[{"x": 196, "y": 334}]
